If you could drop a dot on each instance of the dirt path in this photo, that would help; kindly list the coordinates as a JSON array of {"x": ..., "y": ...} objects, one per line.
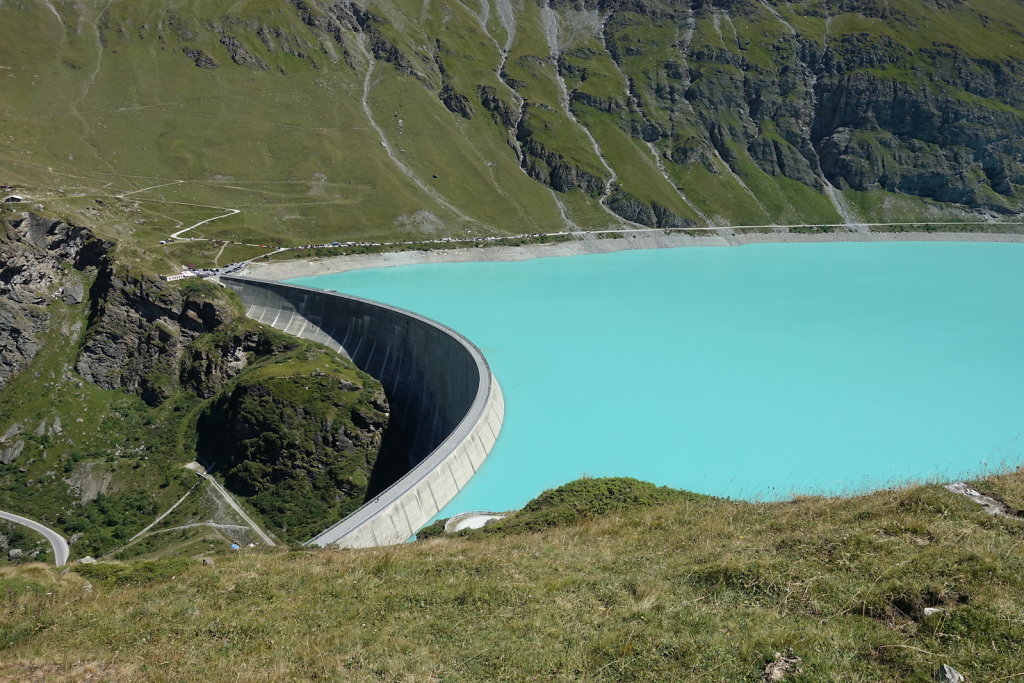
[
  {"x": 230, "y": 212},
  {"x": 201, "y": 471},
  {"x": 162, "y": 515}
]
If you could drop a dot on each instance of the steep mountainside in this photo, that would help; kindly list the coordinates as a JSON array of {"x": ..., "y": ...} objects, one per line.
[
  {"x": 320, "y": 119},
  {"x": 104, "y": 371}
]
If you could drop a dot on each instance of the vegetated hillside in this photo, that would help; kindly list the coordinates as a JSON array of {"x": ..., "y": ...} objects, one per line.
[
  {"x": 346, "y": 120},
  {"x": 298, "y": 438},
  {"x": 19, "y": 544},
  {"x": 104, "y": 371},
  {"x": 885, "y": 587}
]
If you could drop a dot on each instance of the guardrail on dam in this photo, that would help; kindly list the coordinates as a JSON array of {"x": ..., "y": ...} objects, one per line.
[{"x": 444, "y": 400}]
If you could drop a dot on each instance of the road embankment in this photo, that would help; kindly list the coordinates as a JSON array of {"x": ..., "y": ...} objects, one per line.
[{"x": 58, "y": 542}]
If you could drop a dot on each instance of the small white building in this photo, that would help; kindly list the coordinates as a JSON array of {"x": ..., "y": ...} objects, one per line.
[{"x": 183, "y": 275}]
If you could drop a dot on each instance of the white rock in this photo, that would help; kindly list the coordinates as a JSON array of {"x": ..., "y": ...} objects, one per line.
[{"x": 947, "y": 674}]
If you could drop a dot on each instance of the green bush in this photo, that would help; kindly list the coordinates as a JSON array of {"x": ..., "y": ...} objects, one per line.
[
  {"x": 432, "y": 530},
  {"x": 586, "y": 499}
]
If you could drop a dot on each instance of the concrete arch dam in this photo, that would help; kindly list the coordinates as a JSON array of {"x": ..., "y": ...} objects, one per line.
[{"x": 445, "y": 402}]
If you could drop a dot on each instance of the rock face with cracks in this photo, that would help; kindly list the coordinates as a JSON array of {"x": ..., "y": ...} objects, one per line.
[
  {"x": 40, "y": 260},
  {"x": 140, "y": 328}
]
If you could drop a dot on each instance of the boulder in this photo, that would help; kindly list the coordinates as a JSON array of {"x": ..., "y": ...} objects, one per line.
[
  {"x": 947, "y": 674},
  {"x": 10, "y": 452},
  {"x": 73, "y": 292}
]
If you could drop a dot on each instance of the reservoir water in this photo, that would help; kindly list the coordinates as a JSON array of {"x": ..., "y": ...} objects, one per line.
[{"x": 757, "y": 372}]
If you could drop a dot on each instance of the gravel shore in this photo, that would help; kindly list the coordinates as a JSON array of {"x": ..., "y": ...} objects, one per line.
[{"x": 284, "y": 270}]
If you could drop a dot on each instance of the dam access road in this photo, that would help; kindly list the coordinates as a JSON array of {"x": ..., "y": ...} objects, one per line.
[{"x": 60, "y": 545}]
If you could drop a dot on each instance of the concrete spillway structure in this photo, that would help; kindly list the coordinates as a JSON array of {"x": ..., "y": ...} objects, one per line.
[{"x": 444, "y": 400}]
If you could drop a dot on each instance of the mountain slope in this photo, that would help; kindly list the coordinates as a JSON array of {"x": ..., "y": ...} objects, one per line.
[
  {"x": 320, "y": 119},
  {"x": 106, "y": 372}
]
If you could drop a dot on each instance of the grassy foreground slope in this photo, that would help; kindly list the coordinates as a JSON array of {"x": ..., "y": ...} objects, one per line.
[{"x": 694, "y": 589}]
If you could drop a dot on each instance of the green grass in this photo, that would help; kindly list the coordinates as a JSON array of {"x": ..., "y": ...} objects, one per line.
[
  {"x": 710, "y": 192},
  {"x": 634, "y": 162},
  {"x": 293, "y": 150},
  {"x": 693, "y": 589}
]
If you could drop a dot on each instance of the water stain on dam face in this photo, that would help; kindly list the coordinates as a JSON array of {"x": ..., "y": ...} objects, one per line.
[{"x": 756, "y": 372}]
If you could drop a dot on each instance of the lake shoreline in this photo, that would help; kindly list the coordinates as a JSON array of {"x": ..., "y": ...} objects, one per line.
[{"x": 285, "y": 270}]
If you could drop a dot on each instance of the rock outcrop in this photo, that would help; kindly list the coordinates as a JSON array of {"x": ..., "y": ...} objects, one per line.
[
  {"x": 550, "y": 167},
  {"x": 140, "y": 327},
  {"x": 301, "y": 448},
  {"x": 637, "y": 211},
  {"x": 35, "y": 255},
  {"x": 199, "y": 58},
  {"x": 211, "y": 361},
  {"x": 10, "y": 445}
]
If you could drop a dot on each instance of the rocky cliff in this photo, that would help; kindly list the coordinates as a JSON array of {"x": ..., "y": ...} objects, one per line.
[
  {"x": 855, "y": 111},
  {"x": 105, "y": 368},
  {"x": 40, "y": 260},
  {"x": 140, "y": 328}
]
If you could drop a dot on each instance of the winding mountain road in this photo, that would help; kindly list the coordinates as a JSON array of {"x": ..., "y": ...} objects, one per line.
[
  {"x": 60, "y": 545},
  {"x": 230, "y": 212}
]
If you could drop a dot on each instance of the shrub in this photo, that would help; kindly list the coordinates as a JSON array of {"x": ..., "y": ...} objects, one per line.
[{"x": 586, "y": 499}]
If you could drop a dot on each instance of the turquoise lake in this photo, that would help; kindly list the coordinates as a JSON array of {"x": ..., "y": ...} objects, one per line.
[{"x": 757, "y": 372}]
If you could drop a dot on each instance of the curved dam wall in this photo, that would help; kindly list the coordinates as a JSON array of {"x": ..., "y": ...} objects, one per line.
[{"x": 444, "y": 400}]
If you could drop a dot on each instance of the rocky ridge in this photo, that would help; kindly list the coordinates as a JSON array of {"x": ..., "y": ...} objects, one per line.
[{"x": 140, "y": 328}]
